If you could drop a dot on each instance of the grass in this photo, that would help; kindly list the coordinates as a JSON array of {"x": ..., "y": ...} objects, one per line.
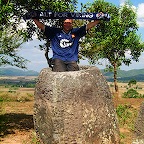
[
  {"x": 127, "y": 109},
  {"x": 16, "y": 113},
  {"x": 33, "y": 139},
  {"x": 15, "y": 95},
  {"x": 126, "y": 115}
]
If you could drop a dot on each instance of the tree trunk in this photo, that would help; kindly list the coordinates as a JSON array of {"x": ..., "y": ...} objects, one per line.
[{"x": 115, "y": 78}]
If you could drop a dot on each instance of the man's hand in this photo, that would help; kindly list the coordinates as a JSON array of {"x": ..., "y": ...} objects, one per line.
[
  {"x": 103, "y": 16},
  {"x": 33, "y": 14}
]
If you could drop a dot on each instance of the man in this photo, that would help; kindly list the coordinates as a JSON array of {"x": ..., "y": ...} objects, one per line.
[{"x": 65, "y": 43}]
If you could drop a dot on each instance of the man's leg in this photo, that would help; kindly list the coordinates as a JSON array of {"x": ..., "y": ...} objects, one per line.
[
  {"x": 72, "y": 66},
  {"x": 59, "y": 65}
]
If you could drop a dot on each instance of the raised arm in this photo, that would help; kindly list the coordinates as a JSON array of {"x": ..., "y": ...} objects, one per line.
[
  {"x": 92, "y": 24},
  {"x": 39, "y": 24}
]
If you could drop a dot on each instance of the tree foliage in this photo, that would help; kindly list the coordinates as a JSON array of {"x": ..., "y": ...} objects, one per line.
[
  {"x": 9, "y": 44},
  {"x": 132, "y": 82},
  {"x": 113, "y": 40},
  {"x": 13, "y": 35},
  {"x": 21, "y": 7}
]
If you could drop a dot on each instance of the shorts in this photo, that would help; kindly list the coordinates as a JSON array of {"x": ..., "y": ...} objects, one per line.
[{"x": 61, "y": 66}]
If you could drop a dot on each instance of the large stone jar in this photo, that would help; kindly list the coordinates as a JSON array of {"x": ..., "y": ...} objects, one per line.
[
  {"x": 139, "y": 127},
  {"x": 74, "y": 108}
]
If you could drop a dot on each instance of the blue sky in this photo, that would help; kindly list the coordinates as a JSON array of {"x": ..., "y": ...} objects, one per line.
[{"x": 30, "y": 50}]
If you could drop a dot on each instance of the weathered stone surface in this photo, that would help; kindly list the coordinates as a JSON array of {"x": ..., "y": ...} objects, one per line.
[
  {"x": 139, "y": 126},
  {"x": 75, "y": 108}
]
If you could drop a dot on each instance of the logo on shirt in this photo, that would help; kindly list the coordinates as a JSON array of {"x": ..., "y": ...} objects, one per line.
[
  {"x": 65, "y": 43},
  {"x": 60, "y": 36}
]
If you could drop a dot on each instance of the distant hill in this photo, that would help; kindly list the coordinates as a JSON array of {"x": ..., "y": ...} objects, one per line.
[
  {"x": 137, "y": 74},
  {"x": 17, "y": 72}
]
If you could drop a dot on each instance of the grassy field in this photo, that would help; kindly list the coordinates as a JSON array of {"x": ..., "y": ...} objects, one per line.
[{"x": 16, "y": 114}]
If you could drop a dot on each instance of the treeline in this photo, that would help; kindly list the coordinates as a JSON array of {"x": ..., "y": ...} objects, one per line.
[
  {"x": 18, "y": 83},
  {"x": 138, "y": 78},
  {"x": 125, "y": 76}
]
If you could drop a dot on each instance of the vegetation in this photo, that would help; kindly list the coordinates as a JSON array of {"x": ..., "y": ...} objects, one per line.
[
  {"x": 132, "y": 82},
  {"x": 123, "y": 76},
  {"x": 132, "y": 93},
  {"x": 126, "y": 116},
  {"x": 112, "y": 40},
  {"x": 123, "y": 113},
  {"x": 13, "y": 34},
  {"x": 109, "y": 40},
  {"x": 15, "y": 96},
  {"x": 16, "y": 115},
  {"x": 18, "y": 83},
  {"x": 126, "y": 76}
]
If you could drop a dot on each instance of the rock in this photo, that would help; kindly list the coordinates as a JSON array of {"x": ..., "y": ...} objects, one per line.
[
  {"x": 74, "y": 108},
  {"x": 139, "y": 127},
  {"x": 138, "y": 141}
]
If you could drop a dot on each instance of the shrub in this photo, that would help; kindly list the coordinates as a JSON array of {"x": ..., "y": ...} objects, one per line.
[
  {"x": 126, "y": 116},
  {"x": 123, "y": 113},
  {"x": 132, "y": 93},
  {"x": 5, "y": 96}
]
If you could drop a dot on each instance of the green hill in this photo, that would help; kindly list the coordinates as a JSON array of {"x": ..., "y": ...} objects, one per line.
[
  {"x": 17, "y": 72},
  {"x": 137, "y": 74}
]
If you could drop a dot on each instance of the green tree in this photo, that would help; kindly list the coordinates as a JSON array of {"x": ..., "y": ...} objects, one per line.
[
  {"x": 11, "y": 38},
  {"x": 10, "y": 42},
  {"x": 112, "y": 40},
  {"x": 132, "y": 82},
  {"x": 13, "y": 35}
]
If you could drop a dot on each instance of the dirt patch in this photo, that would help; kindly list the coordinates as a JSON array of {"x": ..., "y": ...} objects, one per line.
[
  {"x": 134, "y": 102},
  {"x": 16, "y": 120},
  {"x": 19, "y": 137}
]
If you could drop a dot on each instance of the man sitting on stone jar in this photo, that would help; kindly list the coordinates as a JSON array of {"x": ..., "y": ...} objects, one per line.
[{"x": 65, "y": 43}]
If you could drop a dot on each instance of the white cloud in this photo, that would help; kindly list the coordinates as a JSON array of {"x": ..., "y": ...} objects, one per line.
[
  {"x": 140, "y": 15},
  {"x": 30, "y": 51},
  {"x": 139, "y": 10},
  {"x": 135, "y": 65},
  {"x": 122, "y": 2}
]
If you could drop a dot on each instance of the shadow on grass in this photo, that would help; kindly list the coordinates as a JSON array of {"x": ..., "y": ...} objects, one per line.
[{"x": 13, "y": 121}]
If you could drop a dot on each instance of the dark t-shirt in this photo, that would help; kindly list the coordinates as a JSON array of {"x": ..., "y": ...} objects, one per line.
[{"x": 65, "y": 45}]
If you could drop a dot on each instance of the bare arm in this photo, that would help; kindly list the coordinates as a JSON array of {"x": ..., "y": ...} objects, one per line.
[
  {"x": 39, "y": 24},
  {"x": 92, "y": 24},
  {"x": 89, "y": 25}
]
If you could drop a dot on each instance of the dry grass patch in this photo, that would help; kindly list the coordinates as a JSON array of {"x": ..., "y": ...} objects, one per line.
[{"x": 16, "y": 114}]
